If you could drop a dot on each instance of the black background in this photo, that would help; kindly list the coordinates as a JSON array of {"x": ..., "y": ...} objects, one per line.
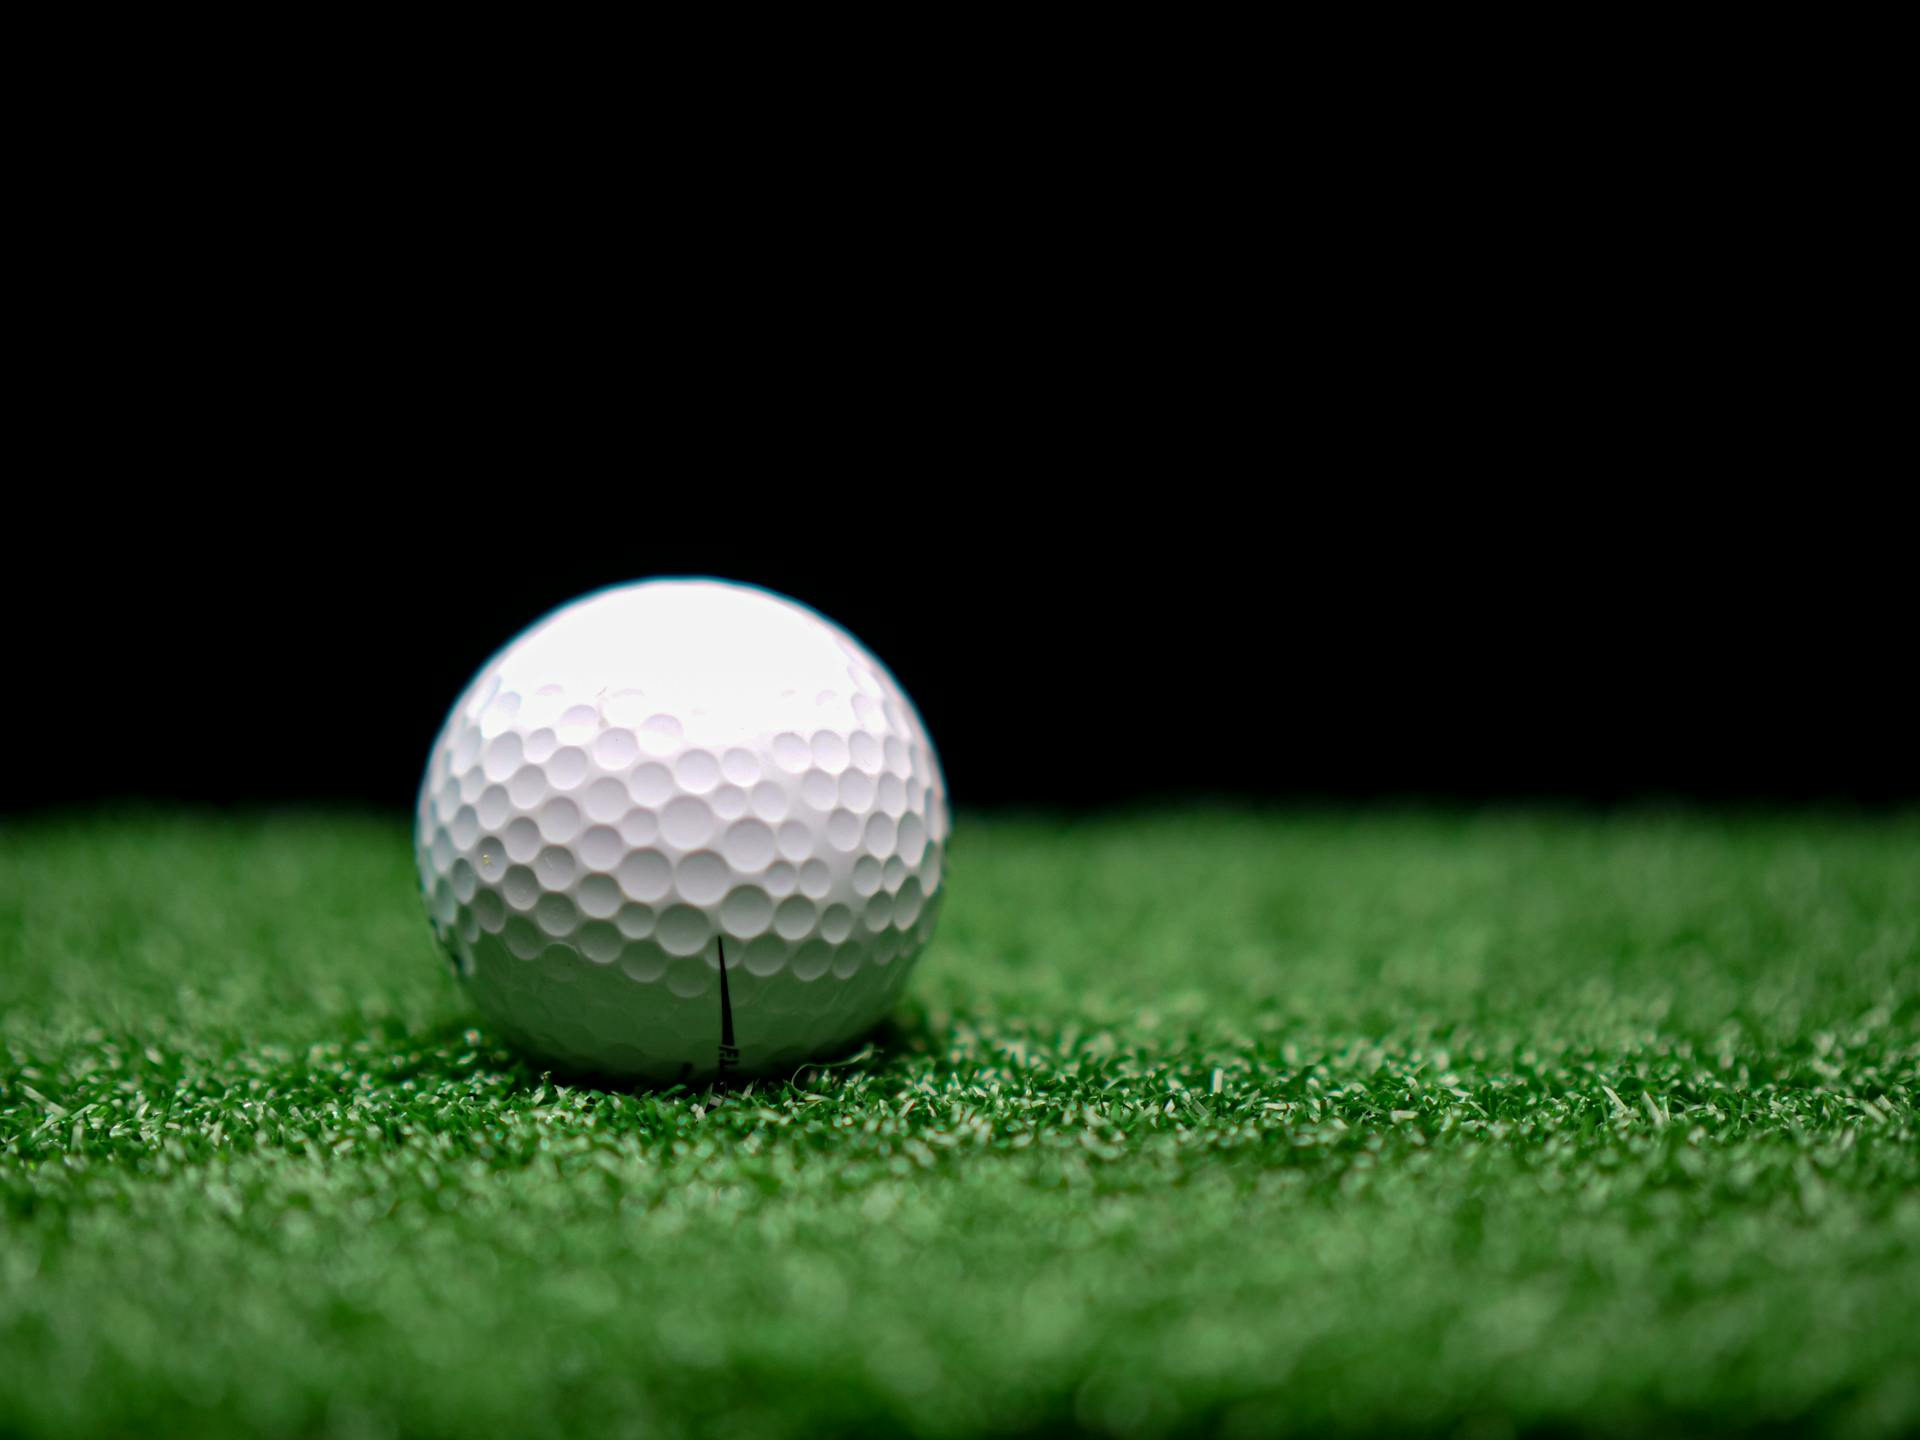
[
  {"x": 1534, "y": 464},
  {"x": 1118, "y": 625}
]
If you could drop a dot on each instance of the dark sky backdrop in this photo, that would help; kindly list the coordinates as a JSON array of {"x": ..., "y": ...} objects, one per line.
[{"x": 1070, "y": 644}]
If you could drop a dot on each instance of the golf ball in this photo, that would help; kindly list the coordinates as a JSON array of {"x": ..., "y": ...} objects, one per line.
[{"x": 682, "y": 828}]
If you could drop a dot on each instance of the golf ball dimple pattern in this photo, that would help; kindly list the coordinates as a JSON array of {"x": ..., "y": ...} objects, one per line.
[{"x": 660, "y": 771}]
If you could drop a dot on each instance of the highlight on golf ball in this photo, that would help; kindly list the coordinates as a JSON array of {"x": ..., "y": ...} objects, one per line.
[{"x": 681, "y": 828}]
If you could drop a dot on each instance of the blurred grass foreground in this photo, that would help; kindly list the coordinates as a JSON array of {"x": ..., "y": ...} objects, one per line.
[{"x": 1196, "y": 1123}]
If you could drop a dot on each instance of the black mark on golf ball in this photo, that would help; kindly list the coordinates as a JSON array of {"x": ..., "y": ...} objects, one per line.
[{"x": 729, "y": 1052}]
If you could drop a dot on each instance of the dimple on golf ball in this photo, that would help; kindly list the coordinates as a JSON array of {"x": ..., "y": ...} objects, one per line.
[{"x": 682, "y": 828}]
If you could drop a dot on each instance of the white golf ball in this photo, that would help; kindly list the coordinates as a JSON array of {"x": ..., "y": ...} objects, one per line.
[{"x": 683, "y": 828}]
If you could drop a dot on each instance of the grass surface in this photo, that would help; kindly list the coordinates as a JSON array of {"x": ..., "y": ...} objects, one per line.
[{"x": 1205, "y": 1122}]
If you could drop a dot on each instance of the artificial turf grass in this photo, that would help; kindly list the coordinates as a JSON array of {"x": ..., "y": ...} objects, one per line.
[{"x": 1197, "y": 1121}]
